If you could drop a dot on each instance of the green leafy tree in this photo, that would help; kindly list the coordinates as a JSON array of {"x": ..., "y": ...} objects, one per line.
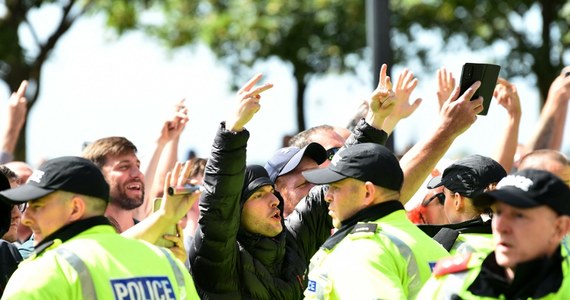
[
  {"x": 534, "y": 34},
  {"x": 312, "y": 36},
  {"x": 18, "y": 63}
]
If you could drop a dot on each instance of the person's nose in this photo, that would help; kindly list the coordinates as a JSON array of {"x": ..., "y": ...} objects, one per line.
[
  {"x": 27, "y": 218},
  {"x": 274, "y": 201},
  {"x": 136, "y": 173},
  {"x": 501, "y": 223},
  {"x": 328, "y": 196}
]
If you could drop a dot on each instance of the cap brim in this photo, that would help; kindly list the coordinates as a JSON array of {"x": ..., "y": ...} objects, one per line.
[
  {"x": 24, "y": 193},
  {"x": 314, "y": 151},
  {"x": 512, "y": 196},
  {"x": 322, "y": 176},
  {"x": 435, "y": 182}
]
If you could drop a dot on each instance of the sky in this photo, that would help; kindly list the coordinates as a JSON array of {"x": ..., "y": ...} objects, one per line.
[{"x": 97, "y": 85}]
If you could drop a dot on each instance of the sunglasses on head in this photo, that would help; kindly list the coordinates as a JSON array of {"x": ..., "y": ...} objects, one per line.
[
  {"x": 440, "y": 197},
  {"x": 331, "y": 152}
]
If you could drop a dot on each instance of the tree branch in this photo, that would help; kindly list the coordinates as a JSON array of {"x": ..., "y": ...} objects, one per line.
[{"x": 32, "y": 31}]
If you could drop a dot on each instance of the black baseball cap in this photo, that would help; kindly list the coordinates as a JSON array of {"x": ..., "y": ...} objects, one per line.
[
  {"x": 286, "y": 159},
  {"x": 530, "y": 188},
  {"x": 69, "y": 173},
  {"x": 365, "y": 162},
  {"x": 469, "y": 176},
  {"x": 255, "y": 177}
]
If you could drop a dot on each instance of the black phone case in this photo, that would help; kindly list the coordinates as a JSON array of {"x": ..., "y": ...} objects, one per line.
[{"x": 487, "y": 74}]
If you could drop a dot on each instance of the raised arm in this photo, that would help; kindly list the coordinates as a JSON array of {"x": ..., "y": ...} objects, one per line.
[
  {"x": 213, "y": 256},
  {"x": 507, "y": 96},
  {"x": 550, "y": 129},
  {"x": 163, "y": 158},
  {"x": 15, "y": 119},
  {"x": 456, "y": 116}
]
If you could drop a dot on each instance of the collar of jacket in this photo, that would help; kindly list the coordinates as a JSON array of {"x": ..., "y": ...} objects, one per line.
[
  {"x": 533, "y": 279},
  {"x": 70, "y": 230},
  {"x": 268, "y": 251},
  {"x": 371, "y": 213},
  {"x": 476, "y": 225}
]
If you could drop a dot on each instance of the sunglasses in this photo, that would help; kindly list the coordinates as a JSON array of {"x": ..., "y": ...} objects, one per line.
[
  {"x": 22, "y": 207},
  {"x": 331, "y": 152},
  {"x": 440, "y": 197}
]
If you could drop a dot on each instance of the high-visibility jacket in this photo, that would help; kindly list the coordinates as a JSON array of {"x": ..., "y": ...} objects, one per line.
[
  {"x": 477, "y": 276},
  {"x": 384, "y": 256},
  {"x": 473, "y": 235},
  {"x": 98, "y": 263},
  {"x": 473, "y": 242}
]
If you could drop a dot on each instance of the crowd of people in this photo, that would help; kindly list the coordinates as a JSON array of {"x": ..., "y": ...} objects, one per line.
[{"x": 332, "y": 215}]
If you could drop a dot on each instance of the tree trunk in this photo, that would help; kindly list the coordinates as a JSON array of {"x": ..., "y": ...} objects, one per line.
[
  {"x": 543, "y": 66},
  {"x": 300, "y": 101}
]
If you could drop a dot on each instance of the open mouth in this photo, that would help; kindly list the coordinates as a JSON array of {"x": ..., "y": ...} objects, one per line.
[
  {"x": 277, "y": 215},
  {"x": 134, "y": 187}
]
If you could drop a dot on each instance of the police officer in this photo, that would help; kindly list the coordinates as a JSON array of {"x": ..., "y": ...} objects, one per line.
[
  {"x": 377, "y": 253},
  {"x": 78, "y": 254},
  {"x": 470, "y": 226},
  {"x": 531, "y": 217}
]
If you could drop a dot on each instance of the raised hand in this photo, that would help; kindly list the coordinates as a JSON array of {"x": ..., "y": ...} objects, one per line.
[
  {"x": 507, "y": 96},
  {"x": 175, "y": 207},
  {"x": 459, "y": 113},
  {"x": 404, "y": 87},
  {"x": 248, "y": 104},
  {"x": 445, "y": 85},
  {"x": 560, "y": 88},
  {"x": 15, "y": 118},
  {"x": 173, "y": 127},
  {"x": 381, "y": 101}
]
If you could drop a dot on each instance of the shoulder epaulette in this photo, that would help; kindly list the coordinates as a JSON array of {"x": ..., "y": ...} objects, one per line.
[
  {"x": 364, "y": 227},
  {"x": 450, "y": 265}
]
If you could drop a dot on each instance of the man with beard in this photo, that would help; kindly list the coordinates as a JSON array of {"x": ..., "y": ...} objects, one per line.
[{"x": 116, "y": 158}]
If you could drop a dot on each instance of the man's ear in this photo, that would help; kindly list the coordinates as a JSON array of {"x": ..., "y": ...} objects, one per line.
[
  {"x": 77, "y": 208},
  {"x": 562, "y": 227},
  {"x": 370, "y": 193}
]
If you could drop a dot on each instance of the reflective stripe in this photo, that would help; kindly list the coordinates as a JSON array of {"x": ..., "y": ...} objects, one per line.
[
  {"x": 413, "y": 270},
  {"x": 452, "y": 285},
  {"x": 87, "y": 287},
  {"x": 462, "y": 247},
  {"x": 177, "y": 273}
]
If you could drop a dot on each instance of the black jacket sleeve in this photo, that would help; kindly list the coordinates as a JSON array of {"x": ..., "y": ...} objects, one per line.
[
  {"x": 9, "y": 260},
  {"x": 214, "y": 254}
]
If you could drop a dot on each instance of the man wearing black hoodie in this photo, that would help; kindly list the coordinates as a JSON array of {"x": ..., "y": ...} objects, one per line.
[{"x": 9, "y": 255}]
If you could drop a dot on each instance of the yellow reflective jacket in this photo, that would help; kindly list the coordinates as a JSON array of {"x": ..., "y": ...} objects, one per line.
[
  {"x": 98, "y": 263},
  {"x": 384, "y": 258},
  {"x": 477, "y": 276}
]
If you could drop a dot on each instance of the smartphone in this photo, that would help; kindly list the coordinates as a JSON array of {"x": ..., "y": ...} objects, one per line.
[
  {"x": 487, "y": 74},
  {"x": 172, "y": 230}
]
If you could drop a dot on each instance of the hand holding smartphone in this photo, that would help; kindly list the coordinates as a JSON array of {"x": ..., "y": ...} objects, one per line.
[
  {"x": 162, "y": 242},
  {"x": 487, "y": 74}
]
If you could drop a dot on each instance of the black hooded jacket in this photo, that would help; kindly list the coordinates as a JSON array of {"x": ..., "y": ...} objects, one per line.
[{"x": 230, "y": 263}]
